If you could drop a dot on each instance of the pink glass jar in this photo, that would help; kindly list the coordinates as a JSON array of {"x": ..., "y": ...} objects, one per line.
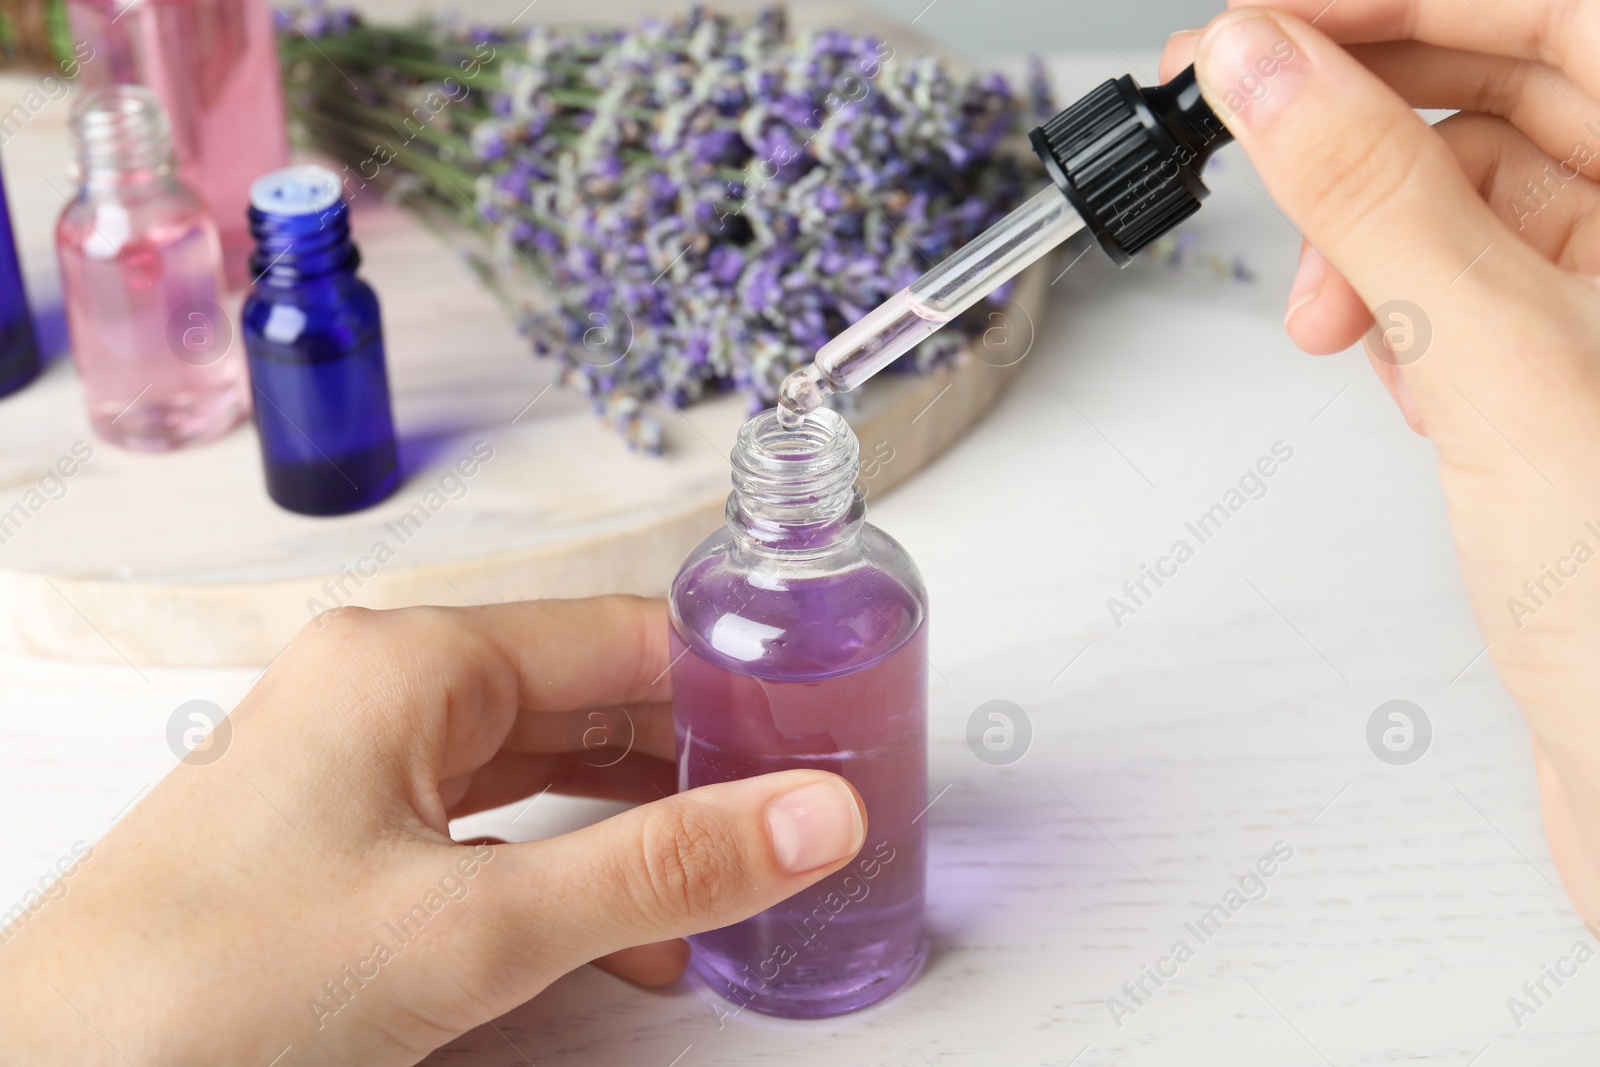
[
  {"x": 213, "y": 64},
  {"x": 141, "y": 277}
]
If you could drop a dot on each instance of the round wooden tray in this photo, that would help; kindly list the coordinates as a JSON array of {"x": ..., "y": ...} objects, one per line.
[{"x": 181, "y": 559}]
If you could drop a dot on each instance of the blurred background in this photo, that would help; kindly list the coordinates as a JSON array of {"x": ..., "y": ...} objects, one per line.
[
  {"x": 967, "y": 27},
  {"x": 977, "y": 28},
  {"x": 981, "y": 27}
]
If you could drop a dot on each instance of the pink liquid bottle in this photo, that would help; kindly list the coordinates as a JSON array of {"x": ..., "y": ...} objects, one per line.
[
  {"x": 213, "y": 64},
  {"x": 141, "y": 276},
  {"x": 799, "y": 637}
]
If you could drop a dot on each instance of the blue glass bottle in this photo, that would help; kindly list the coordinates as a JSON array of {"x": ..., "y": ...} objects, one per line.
[
  {"x": 315, "y": 346},
  {"x": 19, "y": 349}
]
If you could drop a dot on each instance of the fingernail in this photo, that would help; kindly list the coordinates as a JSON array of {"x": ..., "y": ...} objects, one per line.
[
  {"x": 815, "y": 825},
  {"x": 1394, "y": 380},
  {"x": 1408, "y": 404},
  {"x": 1181, "y": 34},
  {"x": 1248, "y": 68},
  {"x": 1307, "y": 282}
]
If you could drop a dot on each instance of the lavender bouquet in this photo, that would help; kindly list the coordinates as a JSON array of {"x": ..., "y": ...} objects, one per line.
[{"x": 706, "y": 202}]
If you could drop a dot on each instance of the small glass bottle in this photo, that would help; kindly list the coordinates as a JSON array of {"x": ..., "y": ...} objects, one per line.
[
  {"x": 141, "y": 277},
  {"x": 799, "y": 638},
  {"x": 315, "y": 341},
  {"x": 214, "y": 66},
  {"x": 19, "y": 349}
]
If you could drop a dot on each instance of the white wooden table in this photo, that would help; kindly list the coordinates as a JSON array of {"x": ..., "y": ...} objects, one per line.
[{"x": 1227, "y": 714}]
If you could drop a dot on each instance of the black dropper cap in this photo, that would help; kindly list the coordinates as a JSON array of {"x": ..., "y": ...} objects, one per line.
[{"x": 1129, "y": 159}]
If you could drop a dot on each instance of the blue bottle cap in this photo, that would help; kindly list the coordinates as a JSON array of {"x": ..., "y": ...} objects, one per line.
[{"x": 304, "y": 190}]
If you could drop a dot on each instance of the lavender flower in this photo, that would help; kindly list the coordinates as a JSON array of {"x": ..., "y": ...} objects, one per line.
[{"x": 722, "y": 197}]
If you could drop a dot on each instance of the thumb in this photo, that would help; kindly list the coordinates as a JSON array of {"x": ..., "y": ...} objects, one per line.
[
  {"x": 1376, "y": 191},
  {"x": 684, "y": 864}
]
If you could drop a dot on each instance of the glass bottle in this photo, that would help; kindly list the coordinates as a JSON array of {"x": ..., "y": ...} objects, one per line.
[
  {"x": 214, "y": 66},
  {"x": 315, "y": 342},
  {"x": 19, "y": 349},
  {"x": 799, "y": 638},
  {"x": 141, "y": 277}
]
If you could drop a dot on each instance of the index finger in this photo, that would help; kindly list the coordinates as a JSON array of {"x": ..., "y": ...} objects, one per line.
[
  {"x": 585, "y": 653},
  {"x": 463, "y": 682},
  {"x": 607, "y": 652},
  {"x": 1560, "y": 34}
]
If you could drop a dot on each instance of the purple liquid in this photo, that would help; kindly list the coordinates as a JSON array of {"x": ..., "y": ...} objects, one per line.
[{"x": 827, "y": 672}]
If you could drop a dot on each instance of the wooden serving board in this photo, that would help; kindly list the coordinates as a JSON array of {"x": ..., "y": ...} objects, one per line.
[{"x": 181, "y": 559}]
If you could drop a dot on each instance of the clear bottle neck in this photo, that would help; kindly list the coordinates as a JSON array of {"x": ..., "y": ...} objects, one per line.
[
  {"x": 123, "y": 139},
  {"x": 794, "y": 493}
]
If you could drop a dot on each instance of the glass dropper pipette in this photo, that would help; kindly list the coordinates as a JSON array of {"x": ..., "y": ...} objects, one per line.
[{"x": 1126, "y": 164}]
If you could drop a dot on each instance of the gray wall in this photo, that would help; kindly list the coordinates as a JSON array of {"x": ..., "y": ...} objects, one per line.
[
  {"x": 965, "y": 27},
  {"x": 986, "y": 27}
]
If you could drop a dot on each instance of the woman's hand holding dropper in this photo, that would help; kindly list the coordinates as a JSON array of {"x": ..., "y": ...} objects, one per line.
[{"x": 1485, "y": 227}]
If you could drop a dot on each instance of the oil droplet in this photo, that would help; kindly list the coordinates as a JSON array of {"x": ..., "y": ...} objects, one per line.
[{"x": 802, "y": 391}]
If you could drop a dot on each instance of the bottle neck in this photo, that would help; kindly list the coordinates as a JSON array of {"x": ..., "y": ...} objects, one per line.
[
  {"x": 293, "y": 249},
  {"x": 123, "y": 140},
  {"x": 794, "y": 493}
]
